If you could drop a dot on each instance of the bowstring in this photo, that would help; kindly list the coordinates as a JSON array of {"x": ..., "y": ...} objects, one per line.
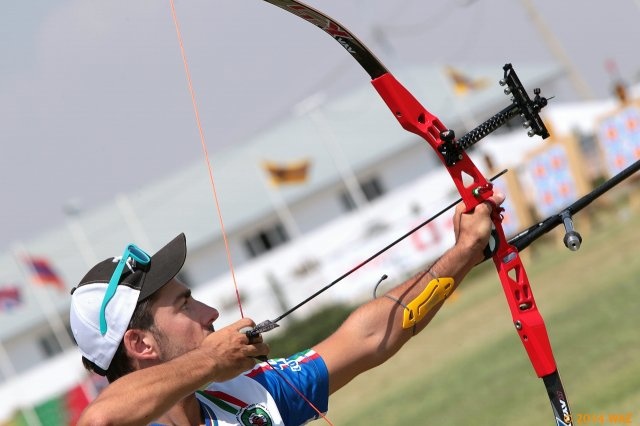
[
  {"x": 203, "y": 143},
  {"x": 296, "y": 390}
]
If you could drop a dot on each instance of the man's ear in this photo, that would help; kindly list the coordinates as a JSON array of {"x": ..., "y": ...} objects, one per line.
[{"x": 140, "y": 345}]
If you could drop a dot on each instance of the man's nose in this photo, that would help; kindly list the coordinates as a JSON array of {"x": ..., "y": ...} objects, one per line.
[{"x": 208, "y": 314}]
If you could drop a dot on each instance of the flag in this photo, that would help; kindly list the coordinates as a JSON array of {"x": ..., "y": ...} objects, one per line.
[
  {"x": 619, "y": 86},
  {"x": 10, "y": 298},
  {"x": 463, "y": 84},
  {"x": 43, "y": 273},
  {"x": 61, "y": 410},
  {"x": 289, "y": 173}
]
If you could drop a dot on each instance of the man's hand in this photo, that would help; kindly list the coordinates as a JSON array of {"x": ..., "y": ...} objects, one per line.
[
  {"x": 231, "y": 350},
  {"x": 472, "y": 229}
]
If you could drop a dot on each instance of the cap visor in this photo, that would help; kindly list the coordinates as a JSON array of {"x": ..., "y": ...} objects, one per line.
[{"x": 165, "y": 265}]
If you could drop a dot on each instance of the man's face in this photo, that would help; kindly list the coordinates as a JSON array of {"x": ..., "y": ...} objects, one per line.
[{"x": 181, "y": 322}]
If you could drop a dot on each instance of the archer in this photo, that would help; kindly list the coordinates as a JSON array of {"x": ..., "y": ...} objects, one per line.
[{"x": 139, "y": 326}]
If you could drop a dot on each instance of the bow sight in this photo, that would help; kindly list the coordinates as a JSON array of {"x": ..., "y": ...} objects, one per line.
[{"x": 451, "y": 149}]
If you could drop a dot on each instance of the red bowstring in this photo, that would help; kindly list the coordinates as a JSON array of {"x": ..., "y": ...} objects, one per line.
[
  {"x": 206, "y": 153},
  {"x": 215, "y": 196}
]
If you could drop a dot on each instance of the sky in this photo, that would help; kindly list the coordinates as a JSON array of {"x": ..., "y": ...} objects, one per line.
[{"x": 94, "y": 99}]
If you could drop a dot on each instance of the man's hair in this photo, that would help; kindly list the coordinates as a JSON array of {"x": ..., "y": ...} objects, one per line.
[{"x": 142, "y": 319}]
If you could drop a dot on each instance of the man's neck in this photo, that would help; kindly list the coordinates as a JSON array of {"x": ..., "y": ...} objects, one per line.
[{"x": 184, "y": 412}]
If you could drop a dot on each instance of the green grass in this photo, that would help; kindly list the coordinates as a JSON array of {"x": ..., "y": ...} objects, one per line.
[{"x": 469, "y": 368}]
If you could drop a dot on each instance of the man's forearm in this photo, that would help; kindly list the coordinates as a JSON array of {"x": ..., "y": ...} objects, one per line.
[
  {"x": 387, "y": 312},
  {"x": 373, "y": 332},
  {"x": 144, "y": 395}
]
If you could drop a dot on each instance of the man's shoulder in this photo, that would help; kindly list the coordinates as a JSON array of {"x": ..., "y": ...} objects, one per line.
[
  {"x": 294, "y": 363},
  {"x": 271, "y": 389}
]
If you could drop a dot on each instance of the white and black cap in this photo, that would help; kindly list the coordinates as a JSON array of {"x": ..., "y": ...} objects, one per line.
[{"x": 137, "y": 281}]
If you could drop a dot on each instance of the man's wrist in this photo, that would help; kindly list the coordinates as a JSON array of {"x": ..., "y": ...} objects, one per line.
[
  {"x": 456, "y": 261},
  {"x": 202, "y": 365}
]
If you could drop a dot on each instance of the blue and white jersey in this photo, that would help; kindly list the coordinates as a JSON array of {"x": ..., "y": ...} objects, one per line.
[{"x": 269, "y": 394}]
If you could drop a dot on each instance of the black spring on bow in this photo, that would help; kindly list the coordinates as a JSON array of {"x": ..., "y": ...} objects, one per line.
[
  {"x": 451, "y": 149},
  {"x": 487, "y": 127}
]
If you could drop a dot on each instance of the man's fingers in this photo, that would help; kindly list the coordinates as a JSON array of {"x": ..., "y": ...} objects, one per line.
[
  {"x": 246, "y": 330},
  {"x": 244, "y": 323},
  {"x": 491, "y": 205},
  {"x": 494, "y": 202},
  {"x": 498, "y": 198},
  {"x": 258, "y": 349},
  {"x": 254, "y": 338}
]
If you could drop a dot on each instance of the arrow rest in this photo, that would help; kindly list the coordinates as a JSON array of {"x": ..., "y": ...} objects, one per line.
[{"x": 263, "y": 327}]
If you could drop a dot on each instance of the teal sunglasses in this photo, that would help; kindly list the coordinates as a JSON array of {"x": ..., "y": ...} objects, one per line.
[{"x": 131, "y": 251}]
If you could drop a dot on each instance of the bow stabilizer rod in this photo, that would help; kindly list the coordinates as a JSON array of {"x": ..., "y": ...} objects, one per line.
[{"x": 523, "y": 239}]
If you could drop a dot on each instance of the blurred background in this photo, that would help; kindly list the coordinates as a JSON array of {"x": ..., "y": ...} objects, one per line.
[{"x": 100, "y": 148}]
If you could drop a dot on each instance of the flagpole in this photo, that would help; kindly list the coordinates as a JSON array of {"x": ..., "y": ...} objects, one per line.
[
  {"x": 54, "y": 320},
  {"x": 278, "y": 203},
  {"x": 71, "y": 211},
  {"x": 131, "y": 219},
  {"x": 579, "y": 84},
  {"x": 311, "y": 107},
  {"x": 282, "y": 210},
  {"x": 465, "y": 115},
  {"x": 9, "y": 371},
  {"x": 286, "y": 217}
]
